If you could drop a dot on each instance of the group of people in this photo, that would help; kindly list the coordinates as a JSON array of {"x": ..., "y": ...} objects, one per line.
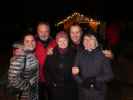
[{"x": 72, "y": 66}]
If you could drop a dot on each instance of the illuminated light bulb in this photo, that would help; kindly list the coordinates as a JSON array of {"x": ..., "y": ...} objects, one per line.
[{"x": 91, "y": 20}]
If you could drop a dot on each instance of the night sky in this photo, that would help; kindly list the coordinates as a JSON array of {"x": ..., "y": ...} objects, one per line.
[{"x": 18, "y": 16}]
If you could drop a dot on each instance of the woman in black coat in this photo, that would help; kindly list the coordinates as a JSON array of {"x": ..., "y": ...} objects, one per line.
[
  {"x": 59, "y": 70},
  {"x": 92, "y": 70}
]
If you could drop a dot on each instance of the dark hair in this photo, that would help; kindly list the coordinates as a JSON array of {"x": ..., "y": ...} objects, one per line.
[
  {"x": 26, "y": 34},
  {"x": 74, "y": 24},
  {"x": 43, "y": 23}
]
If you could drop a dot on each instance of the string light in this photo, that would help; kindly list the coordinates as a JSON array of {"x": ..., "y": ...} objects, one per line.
[{"x": 81, "y": 18}]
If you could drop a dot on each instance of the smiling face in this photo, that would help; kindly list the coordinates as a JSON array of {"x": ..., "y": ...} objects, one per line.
[
  {"x": 89, "y": 42},
  {"x": 29, "y": 42},
  {"x": 75, "y": 34},
  {"x": 43, "y": 31},
  {"x": 62, "y": 42}
]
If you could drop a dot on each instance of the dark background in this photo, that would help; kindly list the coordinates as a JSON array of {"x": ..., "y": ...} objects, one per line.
[{"x": 18, "y": 16}]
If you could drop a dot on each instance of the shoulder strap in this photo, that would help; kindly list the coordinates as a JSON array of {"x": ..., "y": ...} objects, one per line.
[{"x": 24, "y": 63}]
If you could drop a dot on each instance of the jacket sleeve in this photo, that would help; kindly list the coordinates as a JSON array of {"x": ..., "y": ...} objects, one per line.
[
  {"x": 77, "y": 78},
  {"x": 15, "y": 74},
  {"x": 77, "y": 59},
  {"x": 106, "y": 72},
  {"x": 48, "y": 70},
  {"x": 52, "y": 44}
]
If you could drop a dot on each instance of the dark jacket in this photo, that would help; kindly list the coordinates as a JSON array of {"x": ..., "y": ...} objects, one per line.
[
  {"x": 75, "y": 47},
  {"x": 59, "y": 67},
  {"x": 93, "y": 65},
  {"x": 59, "y": 75}
]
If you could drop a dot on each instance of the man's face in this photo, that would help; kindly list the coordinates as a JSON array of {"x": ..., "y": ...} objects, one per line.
[
  {"x": 75, "y": 34},
  {"x": 43, "y": 30}
]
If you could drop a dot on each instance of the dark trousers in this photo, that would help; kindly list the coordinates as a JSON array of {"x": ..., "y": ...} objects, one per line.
[
  {"x": 43, "y": 92},
  {"x": 91, "y": 94},
  {"x": 63, "y": 93}
]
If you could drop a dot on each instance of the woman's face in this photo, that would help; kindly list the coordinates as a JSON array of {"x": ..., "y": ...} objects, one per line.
[
  {"x": 89, "y": 42},
  {"x": 29, "y": 42},
  {"x": 62, "y": 43}
]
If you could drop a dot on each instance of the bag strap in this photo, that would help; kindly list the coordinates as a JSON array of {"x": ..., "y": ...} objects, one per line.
[{"x": 24, "y": 63}]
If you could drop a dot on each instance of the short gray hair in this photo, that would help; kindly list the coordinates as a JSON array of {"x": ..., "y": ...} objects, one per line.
[{"x": 92, "y": 36}]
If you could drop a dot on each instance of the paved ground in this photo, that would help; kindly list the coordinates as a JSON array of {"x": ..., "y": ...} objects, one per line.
[{"x": 116, "y": 91}]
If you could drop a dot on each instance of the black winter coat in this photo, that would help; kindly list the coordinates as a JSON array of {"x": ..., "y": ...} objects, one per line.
[
  {"x": 93, "y": 65},
  {"x": 59, "y": 75}
]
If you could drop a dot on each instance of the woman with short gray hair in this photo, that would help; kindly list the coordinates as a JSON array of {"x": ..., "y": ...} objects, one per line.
[{"x": 92, "y": 70}]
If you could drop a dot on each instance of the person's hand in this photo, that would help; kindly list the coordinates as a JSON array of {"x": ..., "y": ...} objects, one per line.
[
  {"x": 50, "y": 51},
  {"x": 108, "y": 54},
  {"x": 75, "y": 70},
  {"x": 33, "y": 80},
  {"x": 89, "y": 82}
]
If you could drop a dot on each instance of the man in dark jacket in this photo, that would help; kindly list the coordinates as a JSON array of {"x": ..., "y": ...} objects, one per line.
[{"x": 76, "y": 34}]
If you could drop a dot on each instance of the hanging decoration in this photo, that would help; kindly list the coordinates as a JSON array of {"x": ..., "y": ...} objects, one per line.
[{"x": 80, "y": 19}]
